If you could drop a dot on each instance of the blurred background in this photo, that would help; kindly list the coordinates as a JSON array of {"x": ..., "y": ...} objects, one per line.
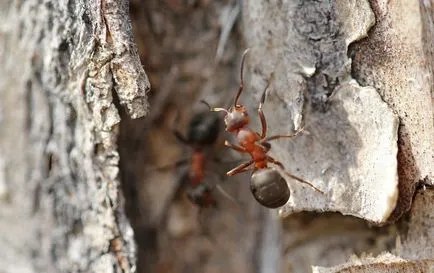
[{"x": 191, "y": 51}]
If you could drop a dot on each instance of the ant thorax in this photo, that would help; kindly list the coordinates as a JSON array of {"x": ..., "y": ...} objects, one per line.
[{"x": 247, "y": 137}]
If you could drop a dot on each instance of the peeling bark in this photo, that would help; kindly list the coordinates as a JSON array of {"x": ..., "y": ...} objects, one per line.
[
  {"x": 393, "y": 60},
  {"x": 305, "y": 46},
  {"x": 383, "y": 264},
  {"x": 413, "y": 250}
]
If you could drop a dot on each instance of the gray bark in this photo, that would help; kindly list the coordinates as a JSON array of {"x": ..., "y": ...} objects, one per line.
[
  {"x": 357, "y": 74},
  {"x": 66, "y": 69}
]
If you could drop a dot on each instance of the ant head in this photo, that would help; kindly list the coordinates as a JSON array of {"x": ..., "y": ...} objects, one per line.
[
  {"x": 236, "y": 118},
  {"x": 204, "y": 129}
]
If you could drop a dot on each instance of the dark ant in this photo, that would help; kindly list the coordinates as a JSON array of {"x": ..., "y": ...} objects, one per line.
[
  {"x": 203, "y": 131},
  {"x": 267, "y": 185}
]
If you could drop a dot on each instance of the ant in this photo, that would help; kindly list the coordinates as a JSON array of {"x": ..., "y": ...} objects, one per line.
[
  {"x": 203, "y": 131},
  {"x": 267, "y": 185}
]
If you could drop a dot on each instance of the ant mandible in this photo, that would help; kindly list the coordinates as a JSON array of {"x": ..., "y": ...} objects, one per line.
[{"x": 267, "y": 185}]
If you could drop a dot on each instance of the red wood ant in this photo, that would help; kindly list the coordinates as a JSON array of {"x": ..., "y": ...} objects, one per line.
[
  {"x": 203, "y": 131},
  {"x": 267, "y": 185}
]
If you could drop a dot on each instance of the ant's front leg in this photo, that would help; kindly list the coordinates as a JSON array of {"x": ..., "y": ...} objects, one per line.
[
  {"x": 177, "y": 133},
  {"x": 241, "y": 168},
  {"x": 235, "y": 147}
]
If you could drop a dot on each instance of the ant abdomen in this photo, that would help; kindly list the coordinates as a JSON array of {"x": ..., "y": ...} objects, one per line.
[{"x": 269, "y": 188}]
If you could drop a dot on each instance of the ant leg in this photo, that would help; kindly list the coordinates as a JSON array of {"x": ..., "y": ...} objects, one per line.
[
  {"x": 235, "y": 147},
  {"x": 261, "y": 113},
  {"x": 272, "y": 160},
  {"x": 241, "y": 168},
  {"x": 204, "y": 228},
  {"x": 282, "y": 136},
  {"x": 174, "y": 194},
  {"x": 240, "y": 89},
  {"x": 175, "y": 131},
  {"x": 220, "y": 179},
  {"x": 180, "y": 137},
  {"x": 178, "y": 163},
  {"x": 227, "y": 195}
]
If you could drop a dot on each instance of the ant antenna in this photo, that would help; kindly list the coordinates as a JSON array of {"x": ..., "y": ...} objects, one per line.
[
  {"x": 227, "y": 195},
  {"x": 240, "y": 89},
  {"x": 206, "y": 103},
  {"x": 214, "y": 109}
]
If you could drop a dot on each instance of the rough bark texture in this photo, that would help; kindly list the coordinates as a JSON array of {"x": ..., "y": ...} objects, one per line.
[
  {"x": 395, "y": 61},
  {"x": 357, "y": 74},
  {"x": 353, "y": 134},
  {"x": 65, "y": 68},
  {"x": 354, "y": 151}
]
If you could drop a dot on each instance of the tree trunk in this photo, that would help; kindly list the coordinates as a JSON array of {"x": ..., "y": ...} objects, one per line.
[
  {"x": 76, "y": 157},
  {"x": 67, "y": 67}
]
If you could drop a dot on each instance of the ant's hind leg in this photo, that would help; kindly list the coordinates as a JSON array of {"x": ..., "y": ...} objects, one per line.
[
  {"x": 272, "y": 160},
  {"x": 204, "y": 227},
  {"x": 241, "y": 168}
]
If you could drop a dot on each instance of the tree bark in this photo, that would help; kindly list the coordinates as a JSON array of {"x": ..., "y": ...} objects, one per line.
[
  {"x": 79, "y": 153},
  {"x": 66, "y": 69}
]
